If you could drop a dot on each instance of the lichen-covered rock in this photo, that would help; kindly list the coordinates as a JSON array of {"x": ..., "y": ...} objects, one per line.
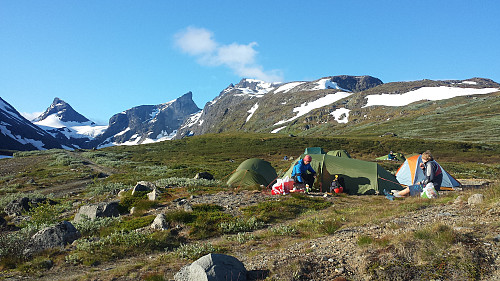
[{"x": 213, "y": 267}]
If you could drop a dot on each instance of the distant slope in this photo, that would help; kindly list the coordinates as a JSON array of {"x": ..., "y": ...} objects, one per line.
[{"x": 18, "y": 133}]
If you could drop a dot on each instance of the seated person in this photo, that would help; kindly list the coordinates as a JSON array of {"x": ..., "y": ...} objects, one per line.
[
  {"x": 299, "y": 172},
  {"x": 433, "y": 178},
  {"x": 391, "y": 156}
]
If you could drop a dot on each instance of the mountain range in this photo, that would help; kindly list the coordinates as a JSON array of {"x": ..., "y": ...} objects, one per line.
[{"x": 329, "y": 106}]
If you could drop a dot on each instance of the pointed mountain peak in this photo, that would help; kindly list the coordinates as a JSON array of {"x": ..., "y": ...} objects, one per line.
[{"x": 62, "y": 111}]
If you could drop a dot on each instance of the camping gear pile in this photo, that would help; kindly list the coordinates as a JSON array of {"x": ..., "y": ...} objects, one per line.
[{"x": 285, "y": 186}]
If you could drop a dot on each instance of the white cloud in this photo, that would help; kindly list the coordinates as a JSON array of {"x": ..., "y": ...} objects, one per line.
[
  {"x": 195, "y": 41},
  {"x": 240, "y": 58}
]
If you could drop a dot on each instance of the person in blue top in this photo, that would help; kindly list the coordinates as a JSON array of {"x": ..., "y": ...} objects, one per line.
[{"x": 300, "y": 171}]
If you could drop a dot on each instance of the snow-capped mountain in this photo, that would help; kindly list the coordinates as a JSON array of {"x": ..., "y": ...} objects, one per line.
[
  {"x": 18, "y": 133},
  {"x": 147, "y": 123},
  {"x": 236, "y": 105},
  {"x": 69, "y": 127},
  {"x": 339, "y": 105}
]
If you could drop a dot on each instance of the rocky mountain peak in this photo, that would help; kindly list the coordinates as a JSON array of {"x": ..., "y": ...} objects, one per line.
[{"x": 63, "y": 112}]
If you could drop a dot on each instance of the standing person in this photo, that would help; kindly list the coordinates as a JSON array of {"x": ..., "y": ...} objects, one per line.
[
  {"x": 433, "y": 178},
  {"x": 299, "y": 172}
]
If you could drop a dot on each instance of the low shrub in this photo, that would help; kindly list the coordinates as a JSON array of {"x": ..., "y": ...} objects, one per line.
[
  {"x": 241, "y": 225},
  {"x": 195, "y": 251}
]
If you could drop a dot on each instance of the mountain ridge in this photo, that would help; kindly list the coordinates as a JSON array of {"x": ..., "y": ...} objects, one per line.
[{"x": 328, "y": 106}]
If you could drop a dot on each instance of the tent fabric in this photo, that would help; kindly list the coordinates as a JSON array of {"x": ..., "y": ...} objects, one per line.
[
  {"x": 314, "y": 150},
  {"x": 360, "y": 177},
  {"x": 398, "y": 157},
  {"x": 253, "y": 171},
  {"x": 339, "y": 153},
  {"x": 410, "y": 173}
]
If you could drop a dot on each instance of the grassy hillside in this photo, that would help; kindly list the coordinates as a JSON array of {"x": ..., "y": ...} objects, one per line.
[{"x": 76, "y": 178}]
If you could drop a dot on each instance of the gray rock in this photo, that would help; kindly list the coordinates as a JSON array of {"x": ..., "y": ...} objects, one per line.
[
  {"x": 143, "y": 186},
  {"x": 497, "y": 238},
  {"x": 213, "y": 267},
  {"x": 103, "y": 209},
  {"x": 160, "y": 222},
  {"x": 204, "y": 175},
  {"x": 154, "y": 195},
  {"x": 475, "y": 199},
  {"x": 56, "y": 236},
  {"x": 188, "y": 207}
]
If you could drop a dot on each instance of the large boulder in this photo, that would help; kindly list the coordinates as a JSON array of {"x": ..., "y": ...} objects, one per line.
[
  {"x": 99, "y": 210},
  {"x": 213, "y": 267},
  {"x": 476, "y": 199},
  {"x": 143, "y": 186},
  {"x": 160, "y": 222},
  {"x": 56, "y": 236}
]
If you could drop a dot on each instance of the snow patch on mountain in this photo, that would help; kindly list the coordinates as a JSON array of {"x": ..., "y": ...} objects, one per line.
[
  {"x": 252, "y": 111},
  {"x": 287, "y": 87},
  {"x": 309, "y": 106},
  {"x": 425, "y": 93},
  {"x": 341, "y": 115},
  {"x": 193, "y": 119},
  {"x": 326, "y": 83},
  {"x": 277, "y": 130},
  {"x": 36, "y": 143},
  {"x": 73, "y": 129}
]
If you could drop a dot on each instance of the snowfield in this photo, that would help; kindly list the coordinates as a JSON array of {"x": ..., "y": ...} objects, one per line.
[
  {"x": 425, "y": 93},
  {"x": 308, "y": 107}
]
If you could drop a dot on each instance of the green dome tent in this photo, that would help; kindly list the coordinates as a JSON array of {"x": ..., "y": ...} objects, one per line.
[
  {"x": 360, "y": 177},
  {"x": 339, "y": 153},
  {"x": 314, "y": 150},
  {"x": 253, "y": 171},
  {"x": 397, "y": 157}
]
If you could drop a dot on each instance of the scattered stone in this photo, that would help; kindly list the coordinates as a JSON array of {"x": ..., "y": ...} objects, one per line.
[
  {"x": 340, "y": 270},
  {"x": 204, "y": 175},
  {"x": 154, "y": 195},
  {"x": 188, "y": 207},
  {"x": 103, "y": 209},
  {"x": 476, "y": 199},
  {"x": 180, "y": 202},
  {"x": 497, "y": 238},
  {"x": 56, "y": 236},
  {"x": 160, "y": 222},
  {"x": 216, "y": 267},
  {"x": 132, "y": 210}
]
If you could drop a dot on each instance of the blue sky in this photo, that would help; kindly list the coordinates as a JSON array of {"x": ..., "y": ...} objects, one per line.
[{"x": 106, "y": 56}]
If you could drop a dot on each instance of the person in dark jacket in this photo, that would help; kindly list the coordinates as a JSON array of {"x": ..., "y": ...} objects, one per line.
[
  {"x": 300, "y": 171},
  {"x": 433, "y": 177}
]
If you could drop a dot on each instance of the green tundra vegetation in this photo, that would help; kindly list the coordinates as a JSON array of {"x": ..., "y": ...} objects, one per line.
[{"x": 106, "y": 171}]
